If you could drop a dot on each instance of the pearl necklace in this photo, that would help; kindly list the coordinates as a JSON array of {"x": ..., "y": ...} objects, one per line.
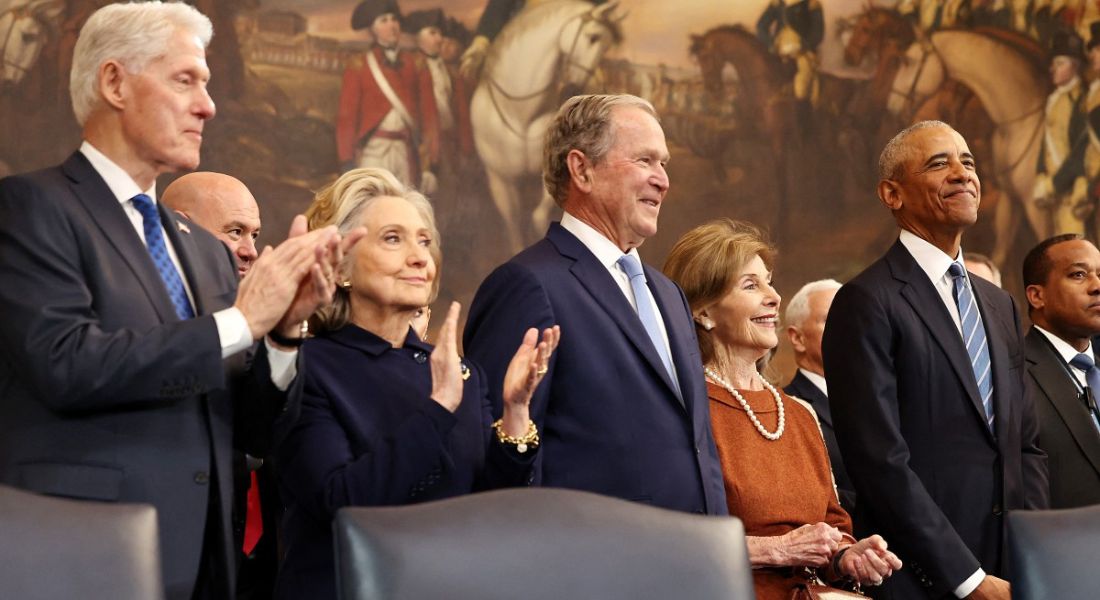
[{"x": 716, "y": 378}]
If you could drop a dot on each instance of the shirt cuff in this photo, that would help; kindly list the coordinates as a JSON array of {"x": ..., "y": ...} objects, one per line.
[
  {"x": 283, "y": 365},
  {"x": 233, "y": 331},
  {"x": 967, "y": 587}
]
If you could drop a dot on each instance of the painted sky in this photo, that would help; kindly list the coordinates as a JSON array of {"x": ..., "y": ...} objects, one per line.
[{"x": 655, "y": 30}]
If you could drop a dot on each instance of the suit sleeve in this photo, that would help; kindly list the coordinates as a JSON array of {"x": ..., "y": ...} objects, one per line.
[
  {"x": 1036, "y": 483},
  {"x": 264, "y": 414},
  {"x": 860, "y": 369},
  {"x": 324, "y": 473},
  {"x": 51, "y": 334},
  {"x": 509, "y": 302}
]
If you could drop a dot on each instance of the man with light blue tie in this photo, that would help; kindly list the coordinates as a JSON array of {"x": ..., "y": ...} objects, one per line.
[
  {"x": 1062, "y": 279},
  {"x": 924, "y": 365},
  {"x": 129, "y": 355},
  {"x": 623, "y": 409}
]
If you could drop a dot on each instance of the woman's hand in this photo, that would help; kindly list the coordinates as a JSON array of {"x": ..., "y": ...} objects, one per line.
[
  {"x": 525, "y": 371},
  {"x": 807, "y": 546},
  {"x": 868, "y": 561},
  {"x": 446, "y": 366}
]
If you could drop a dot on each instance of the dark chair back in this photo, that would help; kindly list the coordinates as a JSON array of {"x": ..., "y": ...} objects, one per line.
[
  {"x": 56, "y": 548},
  {"x": 538, "y": 544},
  {"x": 1053, "y": 553}
]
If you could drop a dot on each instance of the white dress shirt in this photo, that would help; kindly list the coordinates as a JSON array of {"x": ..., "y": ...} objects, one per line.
[
  {"x": 609, "y": 254},
  {"x": 234, "y": 334},
  {"x": 817, "y": 380}
]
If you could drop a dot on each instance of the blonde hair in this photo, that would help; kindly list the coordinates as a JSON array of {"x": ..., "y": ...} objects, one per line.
[
  {"x": 706, "y": 261},
  {"x": 343, "y": 203}
]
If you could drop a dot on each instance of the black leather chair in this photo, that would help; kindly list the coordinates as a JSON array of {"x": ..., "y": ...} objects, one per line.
[
  {"x": 56, "y": 548},
  {"x": 538, "y": 544},
  {"x": 1053, "y": 553}
]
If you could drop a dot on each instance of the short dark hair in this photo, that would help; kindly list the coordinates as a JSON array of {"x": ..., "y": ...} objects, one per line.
[{"x": 1037, "y": 262}]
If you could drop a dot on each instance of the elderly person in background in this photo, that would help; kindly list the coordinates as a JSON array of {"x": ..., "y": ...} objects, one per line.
[
  {"x": 774, "y": 461},
  {"x": 982, "y": 266},
  {"x": 387, "y": 420}
]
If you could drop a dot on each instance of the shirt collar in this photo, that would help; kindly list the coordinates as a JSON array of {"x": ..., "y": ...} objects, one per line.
[
  {"x": 1062, "y": 347},
  {"x": 604, "y": 249},
  {"x": 118, "y": 180},
  {"x": 815, "y": 379},
  {"x": 933, "y": 261}
]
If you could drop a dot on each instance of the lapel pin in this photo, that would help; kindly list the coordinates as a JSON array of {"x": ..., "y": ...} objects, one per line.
[{"x": 184, "y": 228}]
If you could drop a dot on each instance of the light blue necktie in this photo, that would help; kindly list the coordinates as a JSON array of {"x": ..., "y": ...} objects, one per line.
[
  {"x": 154, "y": 240},
  {"x": 633, "y": 268},
  {"x": 974, "y": 337},
  {"x": 1092, "y": 377}
]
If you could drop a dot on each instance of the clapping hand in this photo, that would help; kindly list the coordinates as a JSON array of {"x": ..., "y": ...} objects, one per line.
[
  {"x": 527, "y": 368},
  {"x": 446, "y": 366}
]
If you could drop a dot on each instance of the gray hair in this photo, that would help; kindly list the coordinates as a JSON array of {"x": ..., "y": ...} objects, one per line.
[
  {"x": 582, "y": 123},
  {"x": 342, "y": 204},
  {"x": 896, "y": 150},
  {"x": 798, "y": 309},
  {"x": 133, "y": 34}
]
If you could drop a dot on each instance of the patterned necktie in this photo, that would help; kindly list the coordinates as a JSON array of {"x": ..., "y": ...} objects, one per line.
[
  {"x": 1092, "y": 377},
  {"x": 633, "y": 268},
  {"x": 154, "y": 240},
  {"x": 974, "y": 337}
]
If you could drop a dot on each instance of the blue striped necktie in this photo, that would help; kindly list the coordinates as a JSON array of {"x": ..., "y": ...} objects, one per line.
[
  {"x": 642, "y": 297},
  {"x": 158, "y": 250},
  {"x": 1092, "y": 377},
  {"x": 974, "y": 337}
]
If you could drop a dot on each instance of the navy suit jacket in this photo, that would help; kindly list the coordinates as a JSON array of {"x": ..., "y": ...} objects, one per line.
[
  {"x": 801, "y": 387},
  {"x": 1066, "y": 430},
  {"x": 107, "y": 395},
  {"x": 931, "y": 477},
  {"x": 610, "y": 420},
  {"x": 370, "y": 435}
]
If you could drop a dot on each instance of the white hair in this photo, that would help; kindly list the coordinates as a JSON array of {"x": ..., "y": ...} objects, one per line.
[
  {"x": 798, "y": 309},
  {"x": 133, "y": 34}
]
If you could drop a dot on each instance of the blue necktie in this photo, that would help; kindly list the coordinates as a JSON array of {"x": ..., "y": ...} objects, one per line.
[
  {"x": 1092, "y": 377},
  {"x": 633, "y": 268},
  {"x": 154, "y": 240},
  {"x": 974, "y": 337}
]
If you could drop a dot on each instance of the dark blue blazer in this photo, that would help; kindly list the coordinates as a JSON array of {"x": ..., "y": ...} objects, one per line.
[
  {"x": 611, "y": 422},
  {"x": 931, "y": 476},
  {"x": 106, "y": 394},
  {"x": 369, "y": 434},
  {"x": 801, "y": 387}
]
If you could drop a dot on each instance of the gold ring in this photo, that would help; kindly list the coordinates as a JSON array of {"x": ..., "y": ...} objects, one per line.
[{"x": 542, "y": 371}]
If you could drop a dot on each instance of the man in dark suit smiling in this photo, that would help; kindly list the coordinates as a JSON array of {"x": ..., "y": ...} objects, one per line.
[
  {"x": 925, "y": 372},
  {"x": 623, "y": 409},
  {"x": 128, "y": 354}
]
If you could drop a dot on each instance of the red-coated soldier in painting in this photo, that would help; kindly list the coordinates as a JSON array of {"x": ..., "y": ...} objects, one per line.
[{"x": 387, "y": 114}]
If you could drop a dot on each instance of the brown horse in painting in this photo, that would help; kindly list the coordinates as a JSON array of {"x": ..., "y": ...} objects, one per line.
[{"x": 764, "y": 109}]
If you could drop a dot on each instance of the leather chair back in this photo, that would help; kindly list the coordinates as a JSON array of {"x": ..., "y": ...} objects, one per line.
[
  {"x": 538, "y": 544},
  {"x": 57, "y": 548},
  {"x": 1053, "y": 552}
]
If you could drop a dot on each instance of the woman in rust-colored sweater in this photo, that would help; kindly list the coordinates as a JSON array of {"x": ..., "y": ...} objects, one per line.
[{"x": 776, "y": 468}]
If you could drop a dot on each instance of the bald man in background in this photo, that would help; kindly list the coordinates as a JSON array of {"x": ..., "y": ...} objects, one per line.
[
  {"x": 221, "y": 205},
  {"x": 224, "y": 206}
]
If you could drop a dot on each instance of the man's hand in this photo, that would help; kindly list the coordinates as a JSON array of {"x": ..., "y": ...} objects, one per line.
[
  {"x": 992, "y": 588},
  {"x": 276, "y": 280}
]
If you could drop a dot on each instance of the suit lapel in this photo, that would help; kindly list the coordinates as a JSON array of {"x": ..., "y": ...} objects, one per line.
[
  {"x": 810, "y": 393},
  {"x": 1050, "y": 374},
  {"x": 187, "y": 253},
  {"x": 92, "y": 192},
  {"x": 594, "y": 277},
  {"x": 929, "y": 307}
]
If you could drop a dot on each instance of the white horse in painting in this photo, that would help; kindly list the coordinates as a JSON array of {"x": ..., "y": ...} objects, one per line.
[
  {"x": 548, "y": 49},
  {"x": 1012, "y": 89},
  {"x": 24, "y": 25}
]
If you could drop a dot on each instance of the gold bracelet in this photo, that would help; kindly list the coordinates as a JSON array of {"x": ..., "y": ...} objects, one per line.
[{"x": 528, "y": 440}]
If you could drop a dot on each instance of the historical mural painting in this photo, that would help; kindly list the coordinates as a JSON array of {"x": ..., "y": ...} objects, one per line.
[{"x": 774, "y": 109}]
